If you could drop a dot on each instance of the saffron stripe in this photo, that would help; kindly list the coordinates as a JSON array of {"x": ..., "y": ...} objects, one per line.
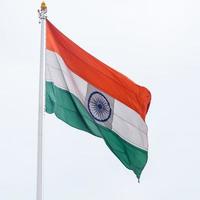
[{"x": 97, "y": 73}]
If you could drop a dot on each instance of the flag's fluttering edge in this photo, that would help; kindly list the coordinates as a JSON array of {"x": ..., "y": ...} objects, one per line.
[{"x": 90, "y": 96}]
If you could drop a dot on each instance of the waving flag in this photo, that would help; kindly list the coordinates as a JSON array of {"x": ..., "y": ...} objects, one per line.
[{"x": 90, "y": 96}]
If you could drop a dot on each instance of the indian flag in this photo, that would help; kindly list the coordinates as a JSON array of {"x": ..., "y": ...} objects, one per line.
[{"x": 89, "y": 95}]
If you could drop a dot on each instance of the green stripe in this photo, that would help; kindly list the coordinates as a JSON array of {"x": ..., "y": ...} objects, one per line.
[{"x": 69, "y": 109}]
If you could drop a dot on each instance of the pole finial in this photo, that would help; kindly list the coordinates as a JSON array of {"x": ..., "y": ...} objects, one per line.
[
  {"x": 43, "y": 6},
  {"x": 42, "y": 12}
]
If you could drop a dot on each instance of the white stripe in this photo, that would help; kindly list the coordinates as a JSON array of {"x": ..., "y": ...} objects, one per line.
[
  {"x": 63, "y": 77},
  {"x": 126, "y": 122}
]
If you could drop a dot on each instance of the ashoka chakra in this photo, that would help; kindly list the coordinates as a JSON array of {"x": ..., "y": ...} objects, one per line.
[{"x": 99, "y": 107}]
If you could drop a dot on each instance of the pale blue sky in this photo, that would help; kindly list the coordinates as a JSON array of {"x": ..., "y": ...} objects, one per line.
[{"x": 157, "y": 44}]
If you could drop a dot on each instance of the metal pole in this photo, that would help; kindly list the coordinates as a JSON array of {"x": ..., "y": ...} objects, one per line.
[{"x": 42, "y": 16}]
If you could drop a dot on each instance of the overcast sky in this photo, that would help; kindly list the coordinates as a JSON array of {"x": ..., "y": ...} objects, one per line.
[{"x": 155, "y": 43}]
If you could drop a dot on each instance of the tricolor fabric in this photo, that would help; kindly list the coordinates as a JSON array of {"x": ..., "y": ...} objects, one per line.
[{"x": 90, "y": 96}]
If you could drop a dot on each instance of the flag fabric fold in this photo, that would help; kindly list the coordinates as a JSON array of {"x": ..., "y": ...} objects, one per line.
[{"x": 90, "y": 96}]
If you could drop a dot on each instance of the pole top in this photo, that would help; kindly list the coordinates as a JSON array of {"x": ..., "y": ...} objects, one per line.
[
  {"x": 42, "y": 12},
  {"x": 43, "y": 6}
]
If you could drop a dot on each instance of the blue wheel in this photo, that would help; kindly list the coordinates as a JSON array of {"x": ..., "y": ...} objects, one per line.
[{"x": 99, "y": 107}]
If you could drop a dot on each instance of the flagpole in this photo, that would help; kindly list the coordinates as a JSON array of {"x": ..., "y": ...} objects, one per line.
[{"x": 42, "y": 16}]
